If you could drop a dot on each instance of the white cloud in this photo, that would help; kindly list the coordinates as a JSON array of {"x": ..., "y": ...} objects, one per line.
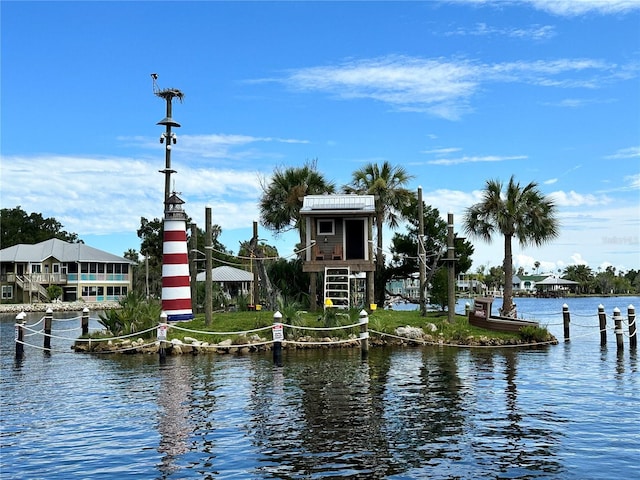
[
  {"x": 219, "y": 146},
  {"x": 631, "y": 152},
  {"x": 444, "y": 88},
  {"x": 96, "y": 196},
  {"x": 633, "y": 180},
  {"x": 577, "y": 102},
  {"x": 568, "y": 8},
  {"x": 405, "y": 82},
  {"x": 577, "y": 259},
  {"x": 574, "y": 199},
  {"x": 442, "y": 151},
  {"x": 466, "y": 159},
  {"x": 534, "y": 32},
  {"x": 581, "y": 7},
  {"x": 551, "y": 181}
]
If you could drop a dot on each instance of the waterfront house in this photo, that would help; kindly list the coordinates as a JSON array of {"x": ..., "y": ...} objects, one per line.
[
  {"x": 233, "y": 281},
  {"x": 339, "y": 245},
  {"x": 526, "y": 284},
  {"x": 83, "y": 272}
]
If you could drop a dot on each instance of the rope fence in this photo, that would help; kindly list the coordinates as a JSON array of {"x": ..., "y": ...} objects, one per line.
[{"x": 621, "y": 327}]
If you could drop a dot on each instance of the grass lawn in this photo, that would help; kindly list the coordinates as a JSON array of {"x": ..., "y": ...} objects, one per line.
[{"x": 385, "y": 321}]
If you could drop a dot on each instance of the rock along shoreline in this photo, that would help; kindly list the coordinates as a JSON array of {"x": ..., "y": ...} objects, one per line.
[
  {"x": 56, "y": 307},
  {"x": 403, "y": 337},
  {"x": 255, "y": 343}
]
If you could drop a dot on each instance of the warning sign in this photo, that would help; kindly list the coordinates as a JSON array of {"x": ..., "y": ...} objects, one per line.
[
  {"x": 162, "y": 332},
  {"x": 278, "y": 332}
]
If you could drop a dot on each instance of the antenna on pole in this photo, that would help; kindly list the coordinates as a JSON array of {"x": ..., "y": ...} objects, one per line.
[
  {"x": 168, "y": 137},
  {"x": 154, "y": 79}
]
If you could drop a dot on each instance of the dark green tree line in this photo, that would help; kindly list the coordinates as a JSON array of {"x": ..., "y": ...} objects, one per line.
[{"x": 17, "y": 227}]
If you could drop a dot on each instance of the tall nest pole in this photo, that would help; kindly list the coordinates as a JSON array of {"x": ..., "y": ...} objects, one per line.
[{"x": 168, "y": 137}]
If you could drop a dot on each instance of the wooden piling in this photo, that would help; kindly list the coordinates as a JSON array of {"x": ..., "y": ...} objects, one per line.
[
  {"x": 278, "y": 337},
  {"x": 48, "y": 319},
  {"x": 617, "y": 322},
  {"x": 162, "y": 336},
  {"x": 364, "y": 334},
  {"x": 602, "y": 317},
  {"x": 84, "y": 323},
  {"x": 566, "y": 318},
  {"x": 20, "y": 335},
  {"x": 631, "y": 314}
]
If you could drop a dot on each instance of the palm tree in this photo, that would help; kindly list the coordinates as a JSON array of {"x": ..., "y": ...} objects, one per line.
[
  {"x": 281, "y": 199},
  {"x": 520, "y": 212},
  {"x": 387, "y": 183},
  {"x": 581, "y": 274}
]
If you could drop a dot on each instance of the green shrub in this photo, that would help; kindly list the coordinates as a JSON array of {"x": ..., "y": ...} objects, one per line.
[
  {"x": 54, "y": 291},
  {"x": 135, "y": 314},
  {"x": 291, "y": 312},
  {"x": 533, "y": 334}
]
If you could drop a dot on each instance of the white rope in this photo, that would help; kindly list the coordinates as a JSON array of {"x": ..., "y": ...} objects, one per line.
[
  {"x": 38, "y": 347},
  {"x": 37, "y": 323},
  {"x": 332, "y": 342},
  {"x": 217, "y": 346},
  {"x": 106, "y": 339},
  {"x": 425, "y": 342},
  {"x": 127, "y": 349},
  {"x": 219, "y": 333},
  {"x": 67, "y": 329},
  {"x": 240, "y": 257},
  {"x": 74, "y": 319},
  {"x": 582, "y": 325},
  {"x": 37, "y": 332},
  {"x": 321, "y": 328},
  {"x": 588, "y": 334}
]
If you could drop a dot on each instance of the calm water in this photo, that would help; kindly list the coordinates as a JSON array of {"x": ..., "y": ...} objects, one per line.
[{"x": 570, "y": 411}]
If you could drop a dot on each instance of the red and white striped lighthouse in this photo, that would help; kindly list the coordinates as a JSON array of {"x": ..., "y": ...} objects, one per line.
[{"x": 176, "y": 290}]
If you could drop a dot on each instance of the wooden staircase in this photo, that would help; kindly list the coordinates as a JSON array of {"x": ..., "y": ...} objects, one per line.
[{"x": 28, "y": 285}]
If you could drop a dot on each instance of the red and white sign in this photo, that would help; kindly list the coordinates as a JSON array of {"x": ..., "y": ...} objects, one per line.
[
  {"x": 162, "y": 332},
  {"x": 278, "y": 332}
]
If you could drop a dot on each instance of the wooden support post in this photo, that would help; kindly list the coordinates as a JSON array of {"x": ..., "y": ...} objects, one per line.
[
  {"x": 566, "y": 319},
  {"x": 422, "y": 257},
  {"x": 255, "y": 295},
  {"x": 313, "y": 291},
  {"x": 85, "y": 321},
  {"x": 617, "y": 323},
  {"x": 633, "y": 339},
  {"x": 193, "y": 255},
  {"x": 162, "y": 336},
  {"x": 364, "y": 334},
  {"x": 278, "y": 337},
  {"x": 602, "y": 317},
  {"x": 208, "y": 280},
  {"x": 48, "y": 319},
  {"x": 20, "y": 335},
  {"x": 451, "y": 270}
]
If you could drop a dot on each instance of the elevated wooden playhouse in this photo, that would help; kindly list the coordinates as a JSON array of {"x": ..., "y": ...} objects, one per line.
[{"x": 339, "y": 237}]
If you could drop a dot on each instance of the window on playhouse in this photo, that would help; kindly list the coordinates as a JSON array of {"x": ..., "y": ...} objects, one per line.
[{"x": 326, "y": 227}]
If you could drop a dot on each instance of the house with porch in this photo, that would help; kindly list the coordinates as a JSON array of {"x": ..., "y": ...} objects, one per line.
[
  {"x": 83, "y": 272},
  {"x": 338, "y": 233}
]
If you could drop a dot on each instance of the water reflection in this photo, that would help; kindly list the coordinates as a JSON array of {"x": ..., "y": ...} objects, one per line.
[
  {"x": 173, "y": 417},
  {"x": 317, "y": 417},
  {"x": 509, "y": 434},
  {"x": 405, "y": 413}
]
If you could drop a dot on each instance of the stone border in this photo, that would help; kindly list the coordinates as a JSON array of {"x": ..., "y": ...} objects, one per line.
[{"x": 56, "y": 307}]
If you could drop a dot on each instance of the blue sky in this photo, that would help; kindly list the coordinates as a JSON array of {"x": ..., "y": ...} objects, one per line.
[{"x": 457, "y": 92}]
